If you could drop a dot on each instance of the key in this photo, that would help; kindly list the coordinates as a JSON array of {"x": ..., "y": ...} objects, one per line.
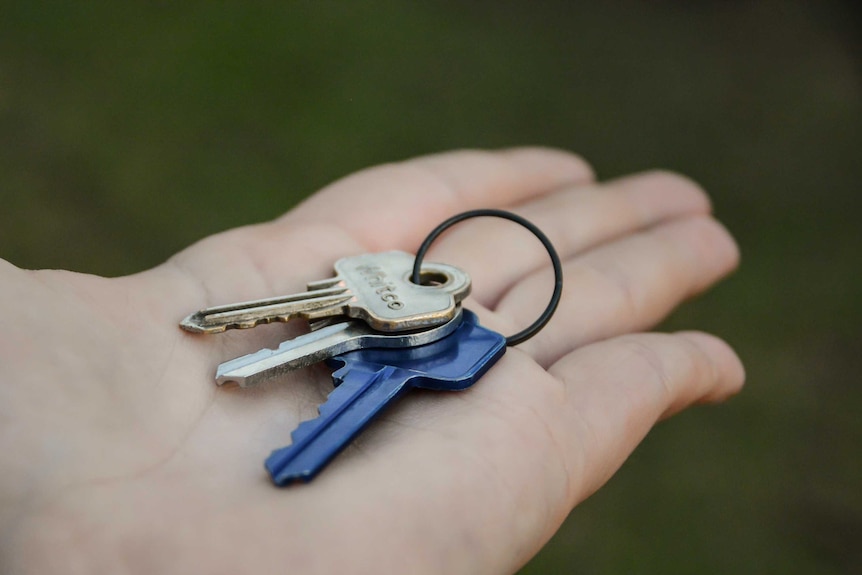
[
  {"x": 368, "y": 380},
  {"x": 372, "y": 287},
  {"x": 323, "y": 343}
]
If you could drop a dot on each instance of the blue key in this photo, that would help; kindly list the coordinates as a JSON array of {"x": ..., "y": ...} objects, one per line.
[{"x": 370, "y": 379}]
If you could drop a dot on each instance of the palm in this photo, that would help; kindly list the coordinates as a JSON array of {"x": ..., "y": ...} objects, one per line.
[{"x": 126, "y": 455}]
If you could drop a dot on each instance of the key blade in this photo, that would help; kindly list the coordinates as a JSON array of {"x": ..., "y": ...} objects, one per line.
[
  {"x": 320, "y": 344},
  {"x": 296, "y": 353},
  {"x": 354, "y": 403},
  {"x": 340, "y": 398},
  {"x": 307, "y": 305}
]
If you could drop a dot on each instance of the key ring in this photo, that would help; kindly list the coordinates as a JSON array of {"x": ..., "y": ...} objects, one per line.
[{"x": 545, "y": 317}]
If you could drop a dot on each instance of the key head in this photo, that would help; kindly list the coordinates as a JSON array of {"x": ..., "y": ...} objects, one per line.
[
  {"x": 386, "y": 299},
  {"x": 452, "y": 363}
]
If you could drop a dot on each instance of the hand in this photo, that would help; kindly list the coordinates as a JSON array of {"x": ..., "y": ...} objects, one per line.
[{"x": 120, "y": 454}]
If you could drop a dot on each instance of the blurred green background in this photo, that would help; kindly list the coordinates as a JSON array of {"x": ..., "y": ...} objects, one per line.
[{"x": 129, "y": 130}]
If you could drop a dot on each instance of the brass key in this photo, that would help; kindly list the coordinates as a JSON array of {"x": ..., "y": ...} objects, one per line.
[{"x": 375, "y": 288}]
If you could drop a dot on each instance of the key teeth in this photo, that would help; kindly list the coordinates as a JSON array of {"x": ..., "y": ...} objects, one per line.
[
  {"x": 276, "y": 466},
  {"x": 331, "y": 404},
  {"x": 196, "y": 323},
  {"x": 340, "y": 370},
  {"x": 192, "y": 323},
  {"x": 302, "y": 430}
]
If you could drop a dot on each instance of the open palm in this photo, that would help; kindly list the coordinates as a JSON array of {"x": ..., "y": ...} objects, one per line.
[{"x": 120, "y": 455}]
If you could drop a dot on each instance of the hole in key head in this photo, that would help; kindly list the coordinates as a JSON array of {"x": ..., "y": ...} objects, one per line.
[{"x": 432, "y": 278}]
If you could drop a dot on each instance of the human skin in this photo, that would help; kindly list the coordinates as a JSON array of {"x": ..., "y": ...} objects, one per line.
[{"x": 120, "y": 454}]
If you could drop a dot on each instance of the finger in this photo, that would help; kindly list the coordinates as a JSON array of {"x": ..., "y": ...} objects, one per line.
[
  {"x": 388, "y": 207},
  {"x": 396, "y": 205},
  {"x": 498, "y": 254},
  {"x": 618, "y": 389},
  {"x": 626, "y": 285}
]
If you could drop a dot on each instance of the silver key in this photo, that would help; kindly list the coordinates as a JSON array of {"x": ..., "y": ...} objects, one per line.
[
  {"x": 375, "y": 288},
  {"x": 323, "y": 343}
]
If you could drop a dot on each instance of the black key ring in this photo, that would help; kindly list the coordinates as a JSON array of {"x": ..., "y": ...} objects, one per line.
[{"x": 545, "y": 317}]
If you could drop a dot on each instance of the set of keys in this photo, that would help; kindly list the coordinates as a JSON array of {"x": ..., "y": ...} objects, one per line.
[
  {"x": 386, "y": 323},
  {"x": 381, "y": 332}
]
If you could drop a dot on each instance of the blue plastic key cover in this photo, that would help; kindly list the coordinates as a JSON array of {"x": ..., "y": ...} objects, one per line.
[{"x": 368, "y": 380}]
